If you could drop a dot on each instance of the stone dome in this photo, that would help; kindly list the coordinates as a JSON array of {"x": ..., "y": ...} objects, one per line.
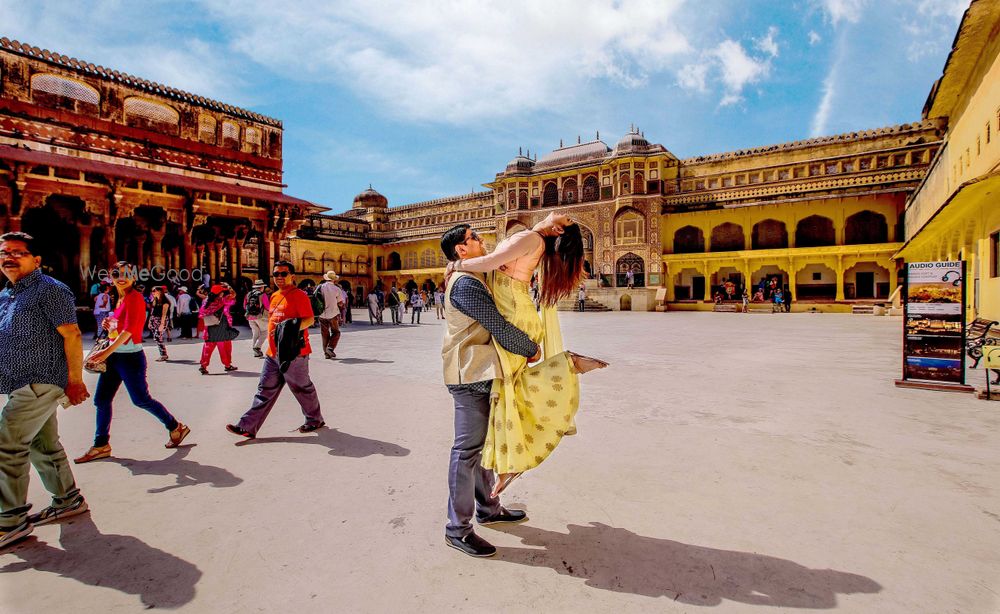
[
  {"x": 520, "y": 164},
  {"x": 633, "y": 141},
  {"x": 370, "y": 199}
]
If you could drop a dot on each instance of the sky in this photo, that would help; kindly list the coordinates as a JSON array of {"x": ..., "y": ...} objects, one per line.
[{"x": 427, "y": 99}]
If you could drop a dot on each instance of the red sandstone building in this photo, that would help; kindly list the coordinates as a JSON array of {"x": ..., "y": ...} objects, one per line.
[{"x": 102, "y": 166}]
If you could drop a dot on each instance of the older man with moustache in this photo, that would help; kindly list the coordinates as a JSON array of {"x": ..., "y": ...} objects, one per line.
[{"x": 41, "y": 365}]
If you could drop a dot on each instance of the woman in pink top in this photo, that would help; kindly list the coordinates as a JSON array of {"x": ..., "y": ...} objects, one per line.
[
  {"x": 218, "y": 303},
  {"x": 534, "y": 407}
]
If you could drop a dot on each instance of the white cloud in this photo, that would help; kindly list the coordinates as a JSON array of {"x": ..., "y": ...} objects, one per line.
[
  {"x": 814, "y": 38},
  {"x": 731, "y": 66},
  {"x": 822, "y": 115},
  {"x": 844, "y": 10},
  {"x": 931, "y": 29},
  {"x": 767, "y": 44},
  {"x": 462, "y": 61},
  {"x": 693, "y": 76}
]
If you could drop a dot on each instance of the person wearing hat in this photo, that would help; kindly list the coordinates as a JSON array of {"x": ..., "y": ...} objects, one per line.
[
  {"x": 334, "y": 299},
  {"x": 257, "y": 306}
]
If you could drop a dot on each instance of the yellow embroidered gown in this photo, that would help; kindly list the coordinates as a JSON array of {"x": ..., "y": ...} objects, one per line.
[{"x": 532, "y": 407}]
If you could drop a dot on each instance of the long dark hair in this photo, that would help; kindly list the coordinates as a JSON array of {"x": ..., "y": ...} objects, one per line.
[{"x": 562, "y": 265}]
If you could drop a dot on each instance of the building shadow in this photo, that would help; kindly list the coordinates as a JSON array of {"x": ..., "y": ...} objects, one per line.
[
  {"x": 120, "y": 562},
  {"x": 185, "y": 472},
  {"x": 618, "y": 560},
  {"x": 339, "y": 443}
]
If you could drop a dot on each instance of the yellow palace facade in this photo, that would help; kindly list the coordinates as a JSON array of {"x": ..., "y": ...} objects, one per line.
[{"x": 829, "y": 218}]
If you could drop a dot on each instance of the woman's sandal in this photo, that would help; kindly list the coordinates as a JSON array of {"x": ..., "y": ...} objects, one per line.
[
  {"x": 503, "y": 481},
  {"x": 579, "y": 363}
]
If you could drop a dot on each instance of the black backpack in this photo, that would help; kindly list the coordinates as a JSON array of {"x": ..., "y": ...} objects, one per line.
[
  {"x": 317, "y": 300},
  {"x": 254, "y": 304}
]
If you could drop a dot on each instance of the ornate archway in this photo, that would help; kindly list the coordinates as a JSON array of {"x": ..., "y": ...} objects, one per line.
[{"x": 635, "y": 264}]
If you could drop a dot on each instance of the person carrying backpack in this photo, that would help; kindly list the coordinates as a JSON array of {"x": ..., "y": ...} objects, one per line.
[{"x": 257, "y": 306}]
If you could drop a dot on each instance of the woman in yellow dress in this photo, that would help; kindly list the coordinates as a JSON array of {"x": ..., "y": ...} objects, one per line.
[{"x": 533, "y": 407}]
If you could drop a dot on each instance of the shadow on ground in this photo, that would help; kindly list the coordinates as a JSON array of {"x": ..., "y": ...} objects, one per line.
[
  {"x": 120, "y": 562},
  {"x": 185, "y": 472},
  {"x": 618, "y": 560},
  {"x": 339, "y": 443}
]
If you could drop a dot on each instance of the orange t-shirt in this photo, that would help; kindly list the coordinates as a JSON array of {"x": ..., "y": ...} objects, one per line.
[{"x": 285, "y": 305}]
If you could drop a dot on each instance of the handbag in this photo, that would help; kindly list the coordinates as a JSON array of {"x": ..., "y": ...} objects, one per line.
[
  {"x": 90, "y": 365},
  {"x": 222, "y": 332}
]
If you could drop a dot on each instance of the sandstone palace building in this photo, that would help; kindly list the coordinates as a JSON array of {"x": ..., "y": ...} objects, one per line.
[
  {"x": 103, "y": 166},
  {"x": 124, "y": 168}
]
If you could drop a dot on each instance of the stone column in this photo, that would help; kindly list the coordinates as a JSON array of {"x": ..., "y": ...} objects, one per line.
[
  {"x": 263, "y": 259},
  {"x": 157, "y": 247},
  {"x": 239, "y": 258},
  {"x": 85, "y": 259},
  {"x": 840, "y": 278},
  {"x": 231, "y": 259},
  {"x": 140, "y": 255},
  {"x": 211, "y": 255},
  {"x": 708, "y": 281}
]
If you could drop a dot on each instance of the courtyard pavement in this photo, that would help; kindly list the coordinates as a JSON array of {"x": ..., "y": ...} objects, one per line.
[{"x": 724, "y": 463}]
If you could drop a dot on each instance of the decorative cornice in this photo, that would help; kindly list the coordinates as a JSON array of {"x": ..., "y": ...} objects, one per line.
[
  {"x": 145, "y": 85},
  {"x": 846, "y": 137}
]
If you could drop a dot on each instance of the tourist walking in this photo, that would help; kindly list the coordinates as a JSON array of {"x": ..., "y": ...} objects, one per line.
[
  {"x": 392, "y": 303},
  {"x": 257, "y": 307},
  {"x": 287, "y": 360},
  {"x": 439, "y": 302},
  {"x": 417, "y": 306},
  {"x": 125, "y": 362},
  {"x": 102, "y": 307},
  {"x": 186, "y": 309},
  {"x": 215, "y": 312},
  {"x": 581, "y": 298},
  {"x": 172, "y": 316},
  {"x": 629, "y": 278},
  {"x": 345, "y": 310},
  {"x": 329, "y": 320},
  {"x": 41, "y": 364},
  {"x": 374, "y": 312},
  {"x": 473, "y": 329},
  {"x": 158, "y": 320}
]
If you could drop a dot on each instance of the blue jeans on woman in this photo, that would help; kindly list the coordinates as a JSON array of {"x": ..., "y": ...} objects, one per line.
[{"x": 128, "y": 368}]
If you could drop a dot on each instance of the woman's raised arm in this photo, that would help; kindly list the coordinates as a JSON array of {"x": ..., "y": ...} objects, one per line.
[{"x": 509, "y": 250}]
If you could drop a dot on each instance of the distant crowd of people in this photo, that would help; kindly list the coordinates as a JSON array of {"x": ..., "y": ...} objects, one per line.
[
  {"x": 768, "y": 290},
  {"x": 399, "y": 302}
]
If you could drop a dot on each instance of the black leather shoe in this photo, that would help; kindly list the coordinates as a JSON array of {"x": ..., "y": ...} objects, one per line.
[
  {"x": 505, "y": 516},
  {"x": 471, "y": 544},
  {"x": 308, "y": 428},
  {"x": 235, "y": 430}
]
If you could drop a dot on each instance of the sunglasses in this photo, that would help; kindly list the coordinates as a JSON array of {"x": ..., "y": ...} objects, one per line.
[
  {"x": 473, "y": 236},
  {"x": 115, "y": 274},
  {"x": 280, "y": 274}
]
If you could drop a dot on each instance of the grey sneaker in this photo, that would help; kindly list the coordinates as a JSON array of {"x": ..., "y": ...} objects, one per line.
[
  {"x": 13, "y": 534},
  {"x": 53, "y": 514}
]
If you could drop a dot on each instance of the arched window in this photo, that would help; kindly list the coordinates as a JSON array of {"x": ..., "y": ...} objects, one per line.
[
  {"x": 866, "y": 227},
  {"x": 728, "y": 237},
  {"x": 410, "y": 261},
  {"x": 394, "y": 263},
  {"x": 630, "y": 262},
  {"x": 252, "y": 140},
  {"x": 638, "y": 184},
  {"x": 64, "y": 93},
  {"x": 427, "y": 259},
  {"x": 570, "y": 194},
  {"x": 550, "y": 194},
  {"x": 689, "y": 240},
  {"x": 815, "y": 231},
  {"x": 624, "y": 186},
  {"x": 522, "y": 200},
  {"x": 512, "y": 200},
  {"x": 591, "y": 189},
  {"x": 206, "y": 128},
  {"x": 769, "y": 234},
  {"x": 151, "y": 115},
  {"x": 630, "y": 227},
  {"x": 230, "y": 134},
  {"x": 442, "y": 260},
  {"x": 309, "y": 263}
]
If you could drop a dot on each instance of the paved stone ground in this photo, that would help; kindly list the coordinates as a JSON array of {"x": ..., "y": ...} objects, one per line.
[{"x": 747, "y": 463}]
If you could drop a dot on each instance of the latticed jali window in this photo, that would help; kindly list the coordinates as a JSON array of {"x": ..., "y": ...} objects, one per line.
[
  {"x": 230, "y": 134},
  {"x": 61, "y": 86},
  {"x": 410, "y": 261},
  {"x": 630, "y": 228},
  {"x": 427, "y": 259},
  {"x": 151, "y": 110},
  {"x": 206, "y": 128},
  {"x": 252, "y": 138}
]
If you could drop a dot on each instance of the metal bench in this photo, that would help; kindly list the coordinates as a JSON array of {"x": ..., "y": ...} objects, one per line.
[{"x": 977, "y": 334}]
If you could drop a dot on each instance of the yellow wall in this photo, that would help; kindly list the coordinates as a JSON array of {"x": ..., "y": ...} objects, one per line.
[{"x": 351, "y": 261}]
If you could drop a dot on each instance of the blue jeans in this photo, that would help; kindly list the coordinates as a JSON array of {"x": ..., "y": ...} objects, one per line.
[
  {"x": 130, "y": 368},
  {"x": 469, "y": 484}
]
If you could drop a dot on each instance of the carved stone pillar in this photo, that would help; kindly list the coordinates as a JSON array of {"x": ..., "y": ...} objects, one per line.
[
  {"x": 840, "y": 278},
  {"x": 140, "y": 253},
  {"x": 85, "y": 256},
  {"x": 231, "y": 258},
  {"x": 211, "y": 251},
  {"x": 157, "y": 247}
]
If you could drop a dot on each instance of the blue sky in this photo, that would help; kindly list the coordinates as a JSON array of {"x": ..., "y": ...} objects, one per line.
[{"x": 429, "y": 99}]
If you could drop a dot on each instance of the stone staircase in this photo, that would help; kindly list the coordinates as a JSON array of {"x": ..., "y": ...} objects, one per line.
[{"x": 571, "y": 304}]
